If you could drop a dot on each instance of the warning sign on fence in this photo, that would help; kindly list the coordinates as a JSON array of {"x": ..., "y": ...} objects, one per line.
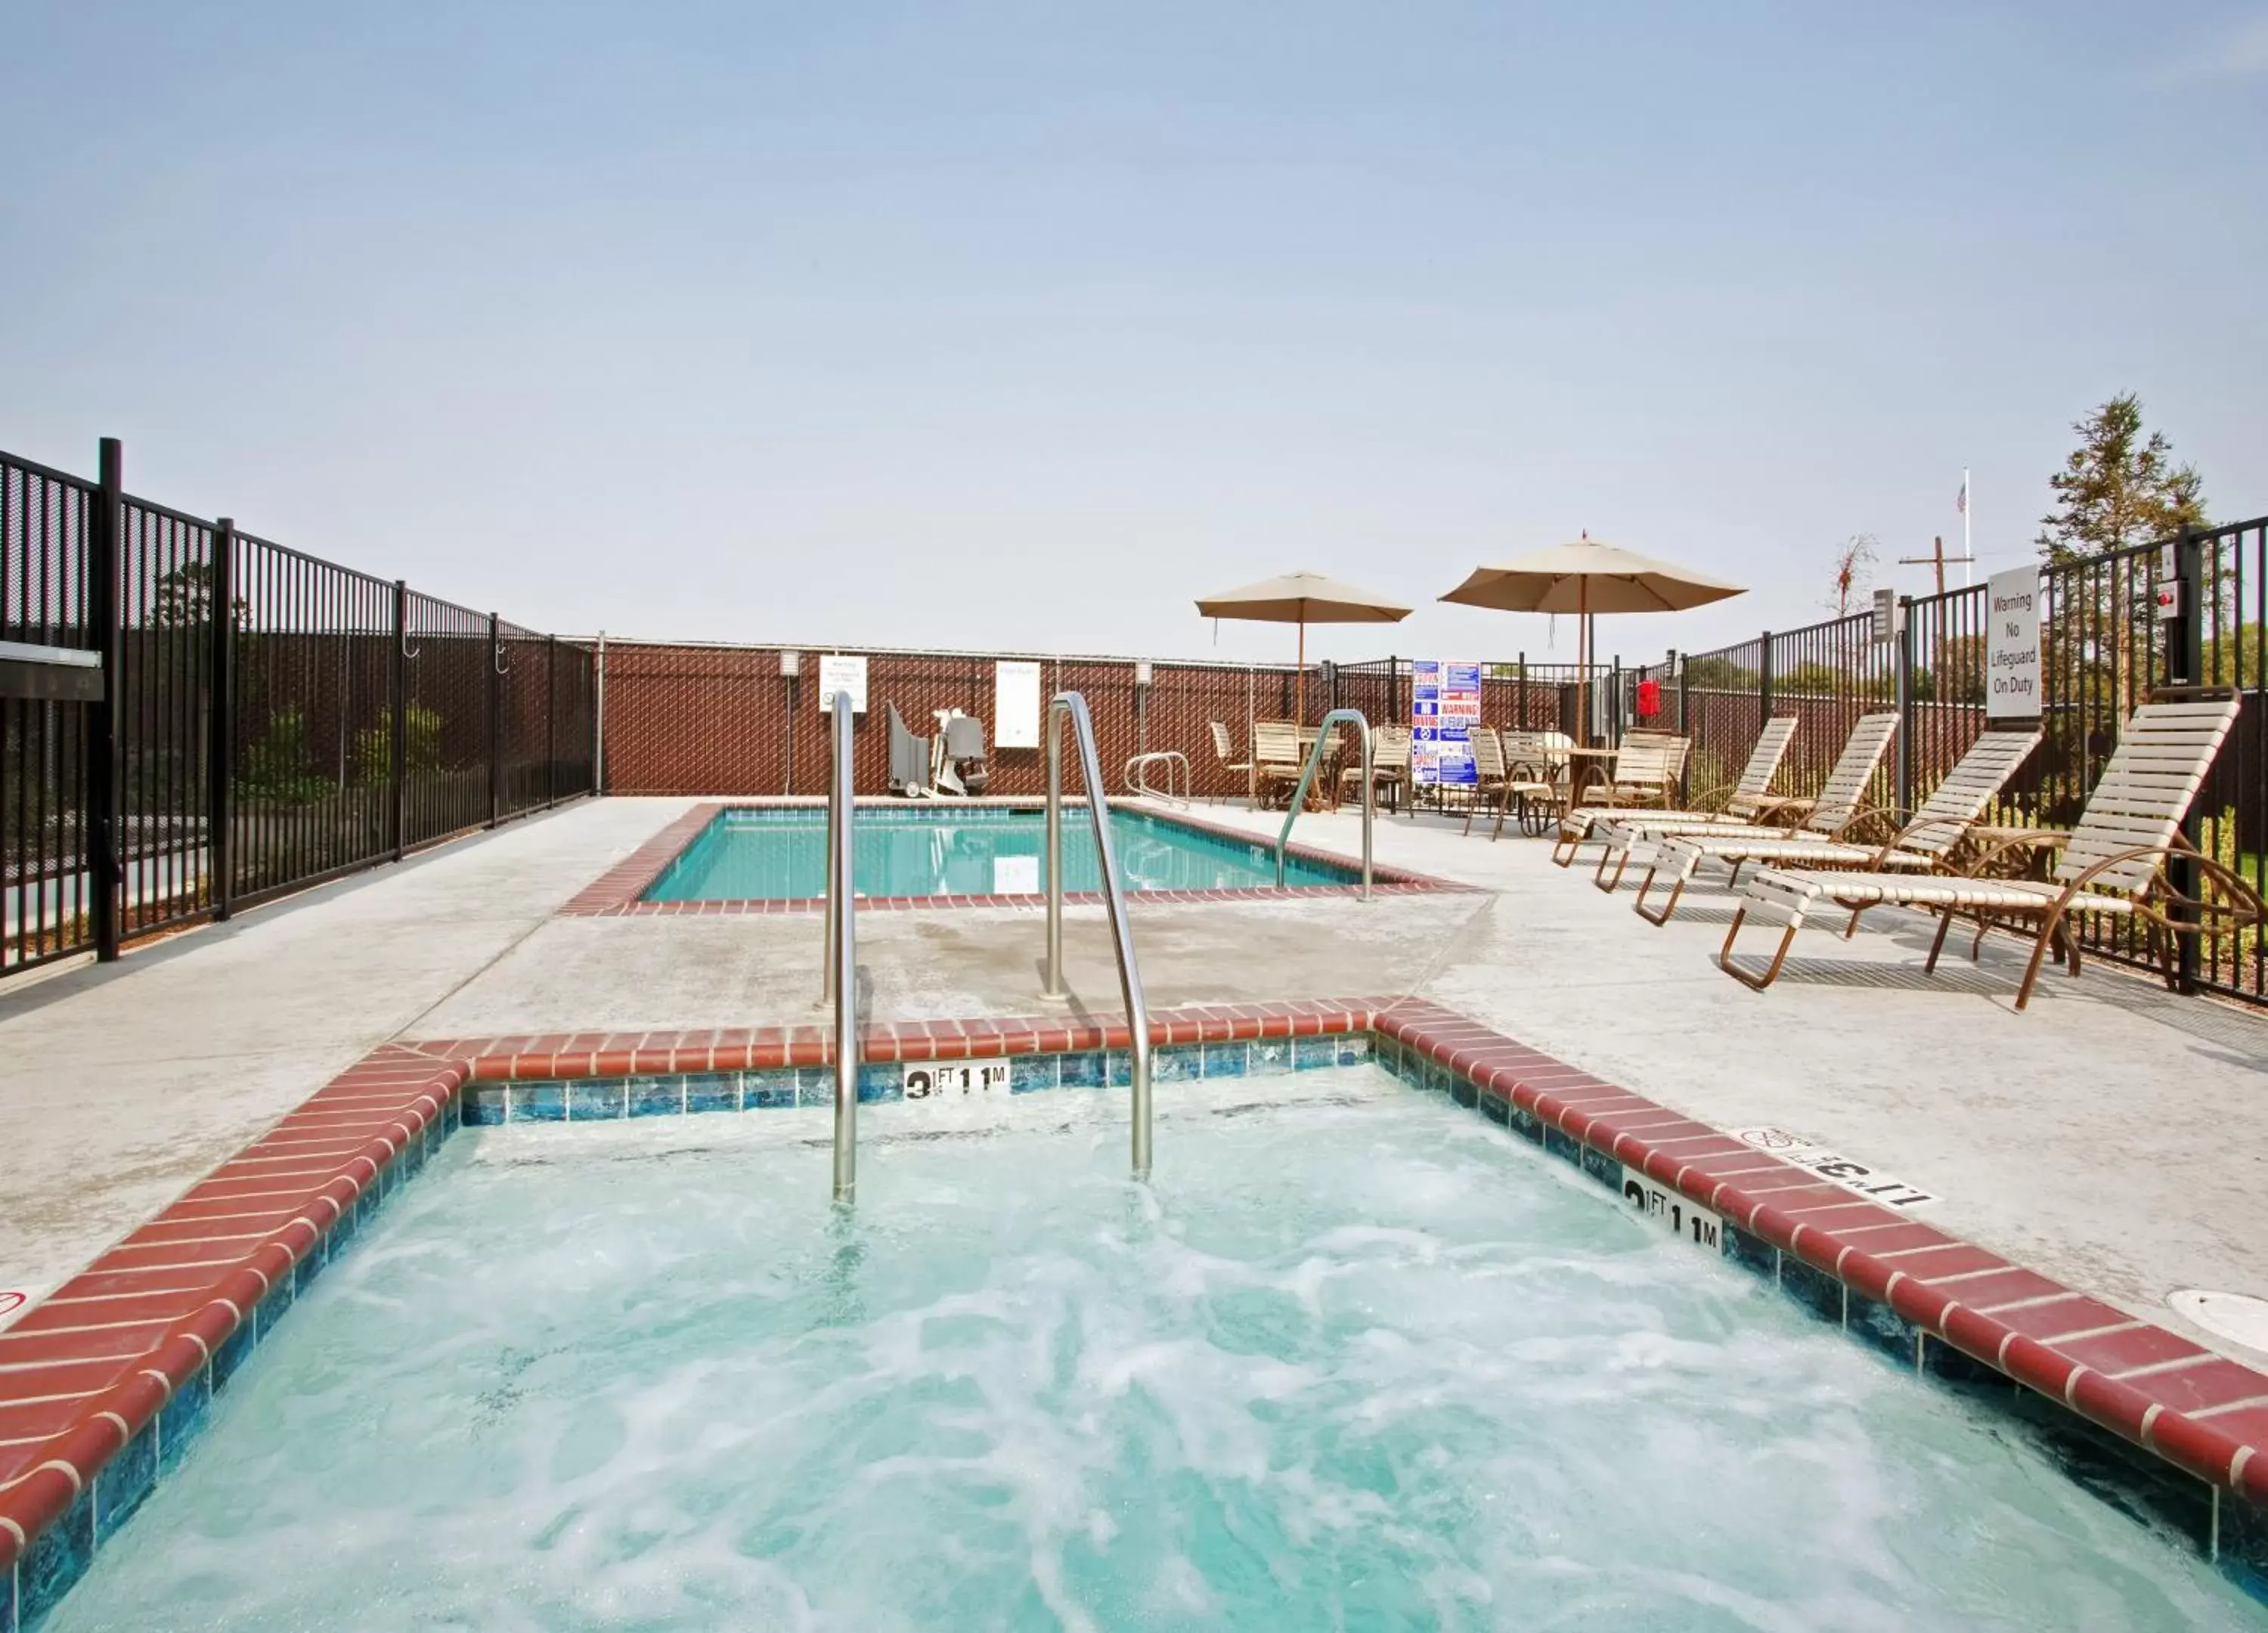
[
  {"x": 2012, "y": 644},
  {"x": 1445, "y": 706}
]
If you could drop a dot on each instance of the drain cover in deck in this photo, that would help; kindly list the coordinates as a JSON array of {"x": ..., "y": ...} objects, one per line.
[{"x": 2238, "y": 1317}]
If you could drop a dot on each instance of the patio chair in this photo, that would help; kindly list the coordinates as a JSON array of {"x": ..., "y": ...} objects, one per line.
[
  {"x": 1224, "y": 751},
  {"x": 1389, "y": 765},
  {"x": 1497, "y": 776},
  {"x": 1924, "y": 842},
  {"x": 1743, "y": 804},
  {"x": 2114, "y": 864},
  {"x": 1537, "y": 765},
  {"x": 1276, "y": 760},
  {"x": 1647, "y": 766},
  {"x": 1836, "y": 807}
]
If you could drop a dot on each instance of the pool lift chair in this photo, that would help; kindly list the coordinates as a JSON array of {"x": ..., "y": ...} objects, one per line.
[{"x": 956, "y": 755}]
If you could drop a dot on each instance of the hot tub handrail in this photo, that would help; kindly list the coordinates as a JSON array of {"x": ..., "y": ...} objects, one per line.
[
  {"x": 839, "y": 983},
  {"x": 1073, "y": 705},
  {"x": 1307, "y": 778}
]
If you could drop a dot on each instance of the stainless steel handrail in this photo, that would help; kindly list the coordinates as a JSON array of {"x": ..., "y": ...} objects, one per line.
[
  {"x": 1136, "y": 775},
  {"x": 839, "y": 985},
  {"x": 1113, "y": 902},
  {"x": 1307, "y": 780}
]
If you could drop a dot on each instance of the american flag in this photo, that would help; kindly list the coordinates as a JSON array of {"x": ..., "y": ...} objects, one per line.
[{"x": 1962, "y": 503}]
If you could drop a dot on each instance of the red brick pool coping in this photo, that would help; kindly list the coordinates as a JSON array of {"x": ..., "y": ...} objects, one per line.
[
  {"x": 87, "y": 1368},
  {"x": 619, "y": 892}
]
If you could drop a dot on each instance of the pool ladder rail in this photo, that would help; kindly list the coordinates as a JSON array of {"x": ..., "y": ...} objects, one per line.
[
  {"x": 1137, "y": 775},
  {"x": 1307, "y": 781},
  {"x": 1073, "y": 706}
]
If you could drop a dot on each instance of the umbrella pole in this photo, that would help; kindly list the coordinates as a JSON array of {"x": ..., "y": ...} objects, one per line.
[
  {"x": 1251, "y": 738},
  {"x": 1583, "y": 661},
  {"x": 1299, "y": 685}
]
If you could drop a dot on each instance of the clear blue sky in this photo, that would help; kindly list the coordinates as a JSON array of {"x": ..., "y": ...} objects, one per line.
[{"x": 1020, "y": 324}]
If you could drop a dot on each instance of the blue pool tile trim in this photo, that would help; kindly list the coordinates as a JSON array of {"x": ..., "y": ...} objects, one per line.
[{"x": 601, "y": 1100}]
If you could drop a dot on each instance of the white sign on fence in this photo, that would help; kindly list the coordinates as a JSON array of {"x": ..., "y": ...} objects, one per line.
[
  {"x": 2012, "y": 644},
  {"x": 1015, "y": 705},
  {"x": 839, "y": 673}
]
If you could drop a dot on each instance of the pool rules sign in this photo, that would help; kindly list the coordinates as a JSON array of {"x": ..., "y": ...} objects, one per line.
[{"x": 2012, "y": 645}]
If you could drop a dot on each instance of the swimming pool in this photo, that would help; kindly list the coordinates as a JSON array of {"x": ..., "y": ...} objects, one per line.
[
  {"x": 780, "y": 854},
  {"x": 1358, "y": 1359}
]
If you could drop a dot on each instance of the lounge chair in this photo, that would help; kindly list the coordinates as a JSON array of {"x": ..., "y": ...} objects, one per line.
[
  {"x": 1926, "y": 843},
  {"x": 1838, "y": 806},
  {"x": 1743, "y": 806},
  {"x": 2114, "y": 863}
]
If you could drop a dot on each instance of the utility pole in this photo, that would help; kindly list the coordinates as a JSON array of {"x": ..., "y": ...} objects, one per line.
[{"x": 1937, "y": 559}]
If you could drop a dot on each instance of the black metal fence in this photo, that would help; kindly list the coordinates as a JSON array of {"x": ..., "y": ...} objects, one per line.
[
  {"x": 2108, "y": 644},
  {"x": 267, "y": 719}
]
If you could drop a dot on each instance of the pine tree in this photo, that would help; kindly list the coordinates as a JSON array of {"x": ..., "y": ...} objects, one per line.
[{"x": 2118, "y": 487}]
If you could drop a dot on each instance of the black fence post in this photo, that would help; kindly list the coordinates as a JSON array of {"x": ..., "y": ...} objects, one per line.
[
  {"x": 220, "y": 722},
  {"x": 1902, "y": 638},
  {"x": 1764, "y": 681},
  {"x": 550, "y": 721},
  {"x": 106, "y": 878},
  {"x": 1684, "y": 697},
  {"x": 496, "y": 721},
  {"x": 2184, "y": 666},
  {"x": 398, "y": 721}
]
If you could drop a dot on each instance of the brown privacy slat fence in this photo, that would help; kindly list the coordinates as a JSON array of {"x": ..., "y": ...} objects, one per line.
[{"x": 270, "y": 719}]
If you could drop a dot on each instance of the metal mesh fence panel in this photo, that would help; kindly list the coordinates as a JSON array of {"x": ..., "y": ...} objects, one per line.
[
  {"x": 44, "y": 814},
  {"x": 266, "y": 720},
  {"x": 2232, "y": 811},
  {"x": 313, "y": 665},
  {"x": 167, "y": 587}
]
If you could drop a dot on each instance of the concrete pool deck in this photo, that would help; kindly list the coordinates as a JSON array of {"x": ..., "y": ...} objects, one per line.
[{"x": 2112, "y": 1137}]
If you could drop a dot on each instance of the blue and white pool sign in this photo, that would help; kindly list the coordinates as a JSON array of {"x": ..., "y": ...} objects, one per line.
[{"x": 1445, "y": 706}]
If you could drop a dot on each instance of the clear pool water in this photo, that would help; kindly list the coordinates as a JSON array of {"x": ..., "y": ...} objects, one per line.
[
  {"x": 930, "y": 850},
  {"x": 1356, "y": 1361}
]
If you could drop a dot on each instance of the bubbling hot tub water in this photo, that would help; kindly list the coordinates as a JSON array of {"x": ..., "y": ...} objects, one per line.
[{"x": 1358, "y": 1359}]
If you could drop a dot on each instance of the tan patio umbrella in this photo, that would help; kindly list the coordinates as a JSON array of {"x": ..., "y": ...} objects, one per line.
[
  {"x": 1585, "y": 577},
  {"x": 1302, "y": 598}
]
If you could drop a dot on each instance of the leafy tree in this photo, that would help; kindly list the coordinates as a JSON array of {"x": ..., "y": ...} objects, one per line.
[
  {"x": 1711, "y": 672},
  {"x": 184, "y": 598},
  {"x": 2118, "y": 487},
  {"x": 2118, "y": 490}
]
